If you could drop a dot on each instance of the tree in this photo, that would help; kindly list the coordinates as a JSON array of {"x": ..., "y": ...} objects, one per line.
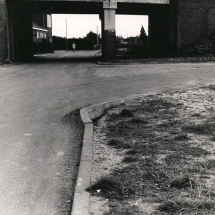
[
  {"x": 143, "y": 35},
  {"x": 92, "y": 37}
]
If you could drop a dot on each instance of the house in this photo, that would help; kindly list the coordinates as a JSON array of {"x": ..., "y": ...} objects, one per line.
[
  {"x": 123, "y": 42},
  {"x": 42, "y": 33},
  {"x": 42, "y": 27},
  {"x": 39, "y": 33}
]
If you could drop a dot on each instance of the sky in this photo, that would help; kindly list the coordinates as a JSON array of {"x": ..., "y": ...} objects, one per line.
[{"x": 80, "y": 25}]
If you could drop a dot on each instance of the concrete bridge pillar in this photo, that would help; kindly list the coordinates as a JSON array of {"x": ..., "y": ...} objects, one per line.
[
  {"x": 3, "y": 31},
  {"x": 108, "y": 30}
]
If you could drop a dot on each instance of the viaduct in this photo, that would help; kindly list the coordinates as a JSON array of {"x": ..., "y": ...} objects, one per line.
[{"x": 173, "y": 24}]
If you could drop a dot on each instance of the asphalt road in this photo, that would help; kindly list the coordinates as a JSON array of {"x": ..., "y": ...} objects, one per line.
[{"x": 40, "y": 135}]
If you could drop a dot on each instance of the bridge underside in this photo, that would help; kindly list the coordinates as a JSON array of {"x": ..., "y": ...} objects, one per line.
[
  {"x": 20, "y": 44},
  {"x": 84, "y": 7}
]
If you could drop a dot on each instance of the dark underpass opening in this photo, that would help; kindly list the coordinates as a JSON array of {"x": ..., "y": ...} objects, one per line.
[
  {"x": 59, "y": 37},
  {"x": 30, "y": 30}
]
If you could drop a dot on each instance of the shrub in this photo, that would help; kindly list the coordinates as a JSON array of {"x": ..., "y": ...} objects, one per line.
[
  {"x": 45, "y": 46},
  {"x": 204, "y": 47},
  {"x": 126, "y": 113}
]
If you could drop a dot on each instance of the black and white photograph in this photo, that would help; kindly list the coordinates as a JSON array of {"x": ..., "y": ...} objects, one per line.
[{"x": 107, "y": 107}]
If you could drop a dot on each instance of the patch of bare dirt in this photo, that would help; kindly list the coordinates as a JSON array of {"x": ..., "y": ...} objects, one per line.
[{"x": 156, "y": 155}]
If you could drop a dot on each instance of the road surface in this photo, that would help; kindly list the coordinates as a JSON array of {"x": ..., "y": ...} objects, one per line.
[{"x": 40, "y": 136}]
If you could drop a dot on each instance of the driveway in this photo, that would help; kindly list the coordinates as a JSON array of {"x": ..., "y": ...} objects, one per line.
[{"x": 40, "y": 137}]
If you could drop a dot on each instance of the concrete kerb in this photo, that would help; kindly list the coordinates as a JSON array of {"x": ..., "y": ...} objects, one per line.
[
  {"x": 81, "y": 201},
  {"x": 81, "y": 197},
  {"x": 157, "y": 60},
  {"x": 97, "y": 110},
  {"x": 113, "y": 63}
]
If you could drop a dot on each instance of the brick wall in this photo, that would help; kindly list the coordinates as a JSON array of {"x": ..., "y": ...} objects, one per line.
[
  {"x": 195, "y": 20},
  {"x": 3, "y": 30}
]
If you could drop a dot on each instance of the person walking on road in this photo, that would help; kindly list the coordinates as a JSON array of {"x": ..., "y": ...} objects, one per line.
[{"x": 73, "y": 47}]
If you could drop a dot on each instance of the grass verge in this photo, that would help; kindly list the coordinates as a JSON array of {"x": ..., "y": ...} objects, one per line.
[{"x": 168, "y": 145}]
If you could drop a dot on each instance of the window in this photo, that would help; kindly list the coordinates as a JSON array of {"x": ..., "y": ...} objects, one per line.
[
  {"x": 41, "y": 34},
  {"x": 49, "y": 21}
]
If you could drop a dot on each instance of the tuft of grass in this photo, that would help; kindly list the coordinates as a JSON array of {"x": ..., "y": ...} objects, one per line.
[
  {"x": 183, "y": 181},
  {"x": 129, "y": 159},
  {"x": 173, "y": 158},
  {"x": 196, "y": 115},
  {"x": 119, "y": 144},
  {"x": 169, "y": 207},
  {"x": 133, "y": 152},
  {"x": 197, "y": 168},
  {"x": 210, "y": 164},
  {"x": 139, "y": 120},
  {"x": 211, "y": 87},
  {"x": 181, "y": 137},
  {"x": 123, "y": 209},
  {"x": 110, "y": 188},
  {"x": 126, "y": 113},
  {"x": 195, "y": 151},
  {"x": 205, "y": 128},
  {"x": 187, "y": 205}
]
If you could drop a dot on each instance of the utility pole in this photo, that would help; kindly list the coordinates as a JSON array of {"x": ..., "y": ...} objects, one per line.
[
  {"x": 97, "y": 37},
  {"x": 66, "y": 35}
]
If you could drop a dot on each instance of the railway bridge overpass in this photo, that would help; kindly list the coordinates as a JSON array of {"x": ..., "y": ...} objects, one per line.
[{"x": 172, "y": 23}]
